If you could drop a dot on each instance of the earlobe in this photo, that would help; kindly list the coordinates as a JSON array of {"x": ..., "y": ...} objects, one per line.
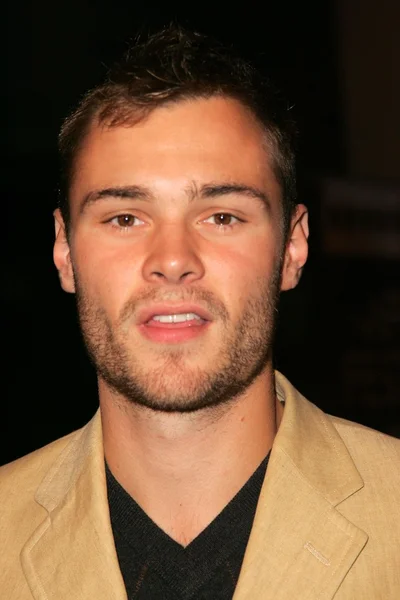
[
  {"x": 62, "y": 255},
  {"x": 296, "y": 249}
]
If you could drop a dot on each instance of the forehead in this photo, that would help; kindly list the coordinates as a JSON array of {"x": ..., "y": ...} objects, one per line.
[{"x": 199, "y": 140}]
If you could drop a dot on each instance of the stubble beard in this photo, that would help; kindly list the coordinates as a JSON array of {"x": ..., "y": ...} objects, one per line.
[{"x": 168, "y": 384}]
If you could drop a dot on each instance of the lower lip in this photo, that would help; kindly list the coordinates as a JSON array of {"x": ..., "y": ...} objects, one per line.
[{"x": 173, "y": 332}]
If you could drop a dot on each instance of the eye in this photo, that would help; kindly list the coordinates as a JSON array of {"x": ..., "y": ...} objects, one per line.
[
  {"x": 223, "y": 219},
  {"x": 125, "y": 221}
]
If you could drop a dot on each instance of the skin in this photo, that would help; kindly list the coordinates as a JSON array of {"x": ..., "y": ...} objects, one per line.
[{"x": 180, "y": 462}]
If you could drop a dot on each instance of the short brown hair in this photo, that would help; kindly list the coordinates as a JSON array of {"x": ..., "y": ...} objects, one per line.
[{"x": 171, "y": 65}]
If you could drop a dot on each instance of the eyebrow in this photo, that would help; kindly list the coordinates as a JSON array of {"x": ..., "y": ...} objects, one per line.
[
  {"x": 209, "y": 190},
  {"x": 131, "y": 192},
  {"x": 214, "y": 190}
]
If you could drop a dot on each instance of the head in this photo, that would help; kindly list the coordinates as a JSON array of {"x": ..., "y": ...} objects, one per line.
[{"x": 179, "y": 198}]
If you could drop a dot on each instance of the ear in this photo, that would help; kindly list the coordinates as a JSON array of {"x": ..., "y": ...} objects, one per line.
[
  {"x": 296, "y": 249},
  {"x": 62, "y": 255}
]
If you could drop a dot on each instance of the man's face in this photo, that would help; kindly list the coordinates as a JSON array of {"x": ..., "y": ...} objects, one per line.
[{"x": 175, "y": 253}]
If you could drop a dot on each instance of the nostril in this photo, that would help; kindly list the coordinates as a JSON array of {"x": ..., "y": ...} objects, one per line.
[
  {"x": 158, "y": 275},
  {"x": 184, "y": 275}
]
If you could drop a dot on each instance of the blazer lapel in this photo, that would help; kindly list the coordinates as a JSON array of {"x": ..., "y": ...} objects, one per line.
[
  {"x": 71, "y": 554},
  {"x": 300, "y": 545}
]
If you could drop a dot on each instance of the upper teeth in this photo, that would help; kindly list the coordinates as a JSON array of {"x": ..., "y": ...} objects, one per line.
[{"x": 178, "y": 318}]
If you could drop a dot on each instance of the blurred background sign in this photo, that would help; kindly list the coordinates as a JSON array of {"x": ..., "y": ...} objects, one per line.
[{"x": 360, "y": 219}]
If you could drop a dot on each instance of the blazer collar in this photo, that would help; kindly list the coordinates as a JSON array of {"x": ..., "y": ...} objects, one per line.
[
  {"x": 300, "y": 545},
  {"x": 72, "y": 553}
]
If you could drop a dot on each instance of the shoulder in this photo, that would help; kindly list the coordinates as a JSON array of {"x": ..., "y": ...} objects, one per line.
[
  {"x": 20, "y": 480},
  {"x": 22, "y": 476},
  {"x": 366, "y": 444},
  {"x": 376, "y": 457},
  {"x": 375, "y": 507},
  {"x": 311, "y": 423},
  {"x": 20, "y": 513}
]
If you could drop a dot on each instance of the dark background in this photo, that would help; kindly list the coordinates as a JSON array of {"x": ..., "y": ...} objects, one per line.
[{"x": 337, "y": 62}]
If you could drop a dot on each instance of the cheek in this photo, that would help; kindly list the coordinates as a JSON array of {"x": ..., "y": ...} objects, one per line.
[
  {"x": 238, "y": 270},
  {"x": 107, "y": 275}
]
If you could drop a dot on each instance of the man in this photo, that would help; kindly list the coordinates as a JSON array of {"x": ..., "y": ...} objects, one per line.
[{"x": 204, "y": 474}]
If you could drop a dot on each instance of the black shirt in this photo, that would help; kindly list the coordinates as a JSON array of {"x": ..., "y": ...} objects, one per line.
[{"x": 156, "y": 567}]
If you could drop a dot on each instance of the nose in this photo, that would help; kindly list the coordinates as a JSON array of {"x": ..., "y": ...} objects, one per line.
[{"x": 173, "y": 256}]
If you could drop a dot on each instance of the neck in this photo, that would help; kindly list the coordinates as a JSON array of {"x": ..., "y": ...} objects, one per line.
[{"x": 183, "y": 468}]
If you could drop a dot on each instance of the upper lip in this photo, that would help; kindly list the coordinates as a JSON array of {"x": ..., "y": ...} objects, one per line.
[{"x": 149, "y": 312}]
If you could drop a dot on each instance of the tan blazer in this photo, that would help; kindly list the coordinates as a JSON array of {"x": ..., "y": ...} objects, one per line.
[{"x": 327, "y": 523}]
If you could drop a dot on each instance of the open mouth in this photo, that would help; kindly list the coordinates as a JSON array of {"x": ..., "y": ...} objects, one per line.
[
  {"x": 177, "y": 319},
  {"x": 164, "y": 324}
]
